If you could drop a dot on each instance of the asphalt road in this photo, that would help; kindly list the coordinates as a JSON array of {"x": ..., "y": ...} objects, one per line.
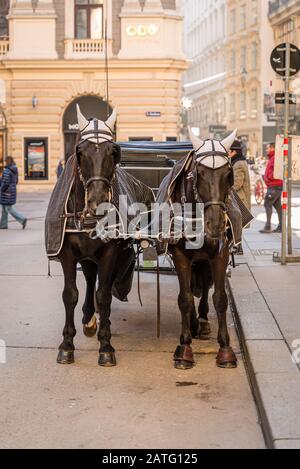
[{"x": 143, "y": 402}]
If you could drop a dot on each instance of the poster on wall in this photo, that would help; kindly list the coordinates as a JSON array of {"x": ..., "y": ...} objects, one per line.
[
  {"x": 36, "y": 158},
  {"x": 295, "y": 148}
]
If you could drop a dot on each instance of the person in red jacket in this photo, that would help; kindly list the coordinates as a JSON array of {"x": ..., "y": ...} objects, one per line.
[{"x": 273, "y": 195}]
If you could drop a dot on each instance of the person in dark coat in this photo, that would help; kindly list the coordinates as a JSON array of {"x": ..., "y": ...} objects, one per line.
[
  {"x": 8, "y": 194},
  {"x": 60, "y": 167}
]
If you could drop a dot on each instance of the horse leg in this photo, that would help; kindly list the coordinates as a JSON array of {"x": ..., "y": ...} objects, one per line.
[
  {"x": 104, "y": 298},
  {"x": 89, "y": 320},
  {"x": 203, "y": 309},
  {"x": 226, "y": 357},
  {"x": 183, "y": 356},
  {"x": 70, "y": 299}
]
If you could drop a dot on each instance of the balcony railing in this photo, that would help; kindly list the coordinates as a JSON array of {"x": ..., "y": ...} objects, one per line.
[
  {"x": 4, "y": 46},
  {"x": 275, "y": 5},
  {"x": 84, "y": 48}
]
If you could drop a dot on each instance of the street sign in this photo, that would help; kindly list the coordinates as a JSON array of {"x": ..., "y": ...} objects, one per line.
[
  {"x": 280, "y": 98},
  {"x": 153, "y": 114},
  {"x": 278, "y": 59},
  {"x": 217, "y": 128}
]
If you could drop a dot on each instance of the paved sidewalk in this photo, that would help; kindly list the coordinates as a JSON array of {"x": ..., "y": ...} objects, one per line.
[
  {"x": 144, "y": 402},
  {"x": 266, "y": 299}
]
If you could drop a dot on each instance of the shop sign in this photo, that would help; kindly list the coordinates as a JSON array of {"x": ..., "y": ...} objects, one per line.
[{"x": 142, "y": 30}]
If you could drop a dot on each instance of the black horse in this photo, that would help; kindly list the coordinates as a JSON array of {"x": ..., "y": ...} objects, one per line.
[
  {"x": 97, "y": 157},
  {"x": 208, "y": 181}
]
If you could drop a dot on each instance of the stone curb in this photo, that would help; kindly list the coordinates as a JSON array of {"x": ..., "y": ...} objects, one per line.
[{"x": 274, "y": 378}]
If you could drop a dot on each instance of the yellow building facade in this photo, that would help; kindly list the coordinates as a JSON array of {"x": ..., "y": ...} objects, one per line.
[
  {"x": 284, "y": 17},
  {"x": 53, "y": 56},
  {"x": 249, "y": 75}
]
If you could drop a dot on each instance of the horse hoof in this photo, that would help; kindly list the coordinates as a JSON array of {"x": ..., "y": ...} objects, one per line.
[
  {"x": 65, "y": 357},
  {"x": 107, "y": 359},
  {"x": 183, "y": 357},
  {"x": 183, "y": 365},
  {"x": 90, "y": 329},
  {"x": 226, "y": 358},
  {"x": 204, "y": 330}
]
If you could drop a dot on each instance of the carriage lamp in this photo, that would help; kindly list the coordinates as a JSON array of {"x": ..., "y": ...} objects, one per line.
[
  {"x": 145, "y": 244},
  {"x": 34, "y": 101}
]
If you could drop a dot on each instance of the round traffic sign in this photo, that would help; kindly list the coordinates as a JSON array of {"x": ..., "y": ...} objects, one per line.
[{"x": 278, "y": 59}]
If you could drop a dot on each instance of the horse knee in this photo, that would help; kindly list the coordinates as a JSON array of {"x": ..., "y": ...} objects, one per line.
[
  {"x": 220, "y": 301},
  {"x": 103, "y": 299},
  {"x": 185, "y": 301},
  {"x": 70, "y": 296}
]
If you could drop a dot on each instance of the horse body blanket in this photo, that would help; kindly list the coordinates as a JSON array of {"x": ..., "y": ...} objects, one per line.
[
  {"x": 60, "y": 203},
  {"x": 238, "y": 214}
]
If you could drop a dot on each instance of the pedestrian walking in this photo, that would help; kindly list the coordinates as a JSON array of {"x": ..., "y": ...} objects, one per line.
[
  {"x": 241, "y": 177},
  {"x": 274, "y": 192},
  {"x": 8, "y": 194},
  {"x": 60, "y": 167}
]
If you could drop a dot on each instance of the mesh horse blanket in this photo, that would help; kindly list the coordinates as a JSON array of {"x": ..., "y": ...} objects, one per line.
[
  {"x": 238, "y": 214},
  {"x": 58, "y": 213}
]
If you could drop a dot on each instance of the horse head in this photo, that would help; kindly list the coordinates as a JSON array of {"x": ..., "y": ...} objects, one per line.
[
  {"x": 212, "y": 181},
  {"x": 97, "y": 157}
]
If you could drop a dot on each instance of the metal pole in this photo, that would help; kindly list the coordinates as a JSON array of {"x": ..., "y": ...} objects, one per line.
[
  {"x": 285, "y": 155},
  {"x": 106, "y": 61},
  {"x": 290, "y": 237}
]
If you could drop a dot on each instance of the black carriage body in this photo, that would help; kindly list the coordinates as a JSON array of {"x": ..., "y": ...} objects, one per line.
[{"x": 150, "y": 162}]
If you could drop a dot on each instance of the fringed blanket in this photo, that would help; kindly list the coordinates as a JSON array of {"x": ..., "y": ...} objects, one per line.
[
  {"x": 238, "y": 214},
  {"x": 59, "y": 204}
]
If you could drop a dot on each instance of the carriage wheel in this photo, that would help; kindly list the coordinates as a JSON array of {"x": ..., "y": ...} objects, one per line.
[{"x": 259, "y": 192}]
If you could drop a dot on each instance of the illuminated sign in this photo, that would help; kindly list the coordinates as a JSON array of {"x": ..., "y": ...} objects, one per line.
[{"x": 142, "y": 30}]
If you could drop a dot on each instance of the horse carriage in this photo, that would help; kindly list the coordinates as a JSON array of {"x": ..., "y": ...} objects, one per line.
[{"x": 103, "y": 205}]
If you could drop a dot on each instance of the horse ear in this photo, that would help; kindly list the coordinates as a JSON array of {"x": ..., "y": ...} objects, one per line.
[
  {"x": 82, "y": 122},
  {"x": 111, "y": 121},
  {"x": 228, "y": 141},
  {"x": 196, "y": 142},
  {"x": 117, "y": 154}
]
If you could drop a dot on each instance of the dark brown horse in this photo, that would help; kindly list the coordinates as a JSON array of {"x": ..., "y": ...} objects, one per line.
[
  {"x": 96, "y": 167},
  {"x": 209, "y": 182}
]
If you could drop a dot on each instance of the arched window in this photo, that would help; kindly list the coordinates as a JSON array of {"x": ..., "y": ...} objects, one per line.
[{"x": 89, "y": 19}]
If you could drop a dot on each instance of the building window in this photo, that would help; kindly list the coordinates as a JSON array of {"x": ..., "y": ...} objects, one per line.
[
  {"x": 232, "y": 64},
  {"x": 232, "y": 103},
  {"x": 88, "y": 19},
  {"x": 254, "y": 102},
  {"x": 232, "y": 22},
  {"x": 36, "y": 158},
  {"x": 243, "y": 17},
  {"x": 243, "y": 59},
  {"x": 243, "y": 109},
  {"x": 254, "y": 55},
  {"x": 254, "y": 12},
  {"x": 140, "y": 139},
  {"x": 286, "y": 31},
  {"x": 4, "y": 9}
]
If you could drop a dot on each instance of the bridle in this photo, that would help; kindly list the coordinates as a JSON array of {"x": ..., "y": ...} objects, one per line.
[
  {"x": 200, "y": 160},
  {"x": 101, "y": 136}
]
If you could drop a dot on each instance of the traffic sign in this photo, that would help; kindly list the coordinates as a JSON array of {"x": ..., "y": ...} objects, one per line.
[
  {"x": 280, "y": 98},
  {"x": 279, "y": 59}
]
